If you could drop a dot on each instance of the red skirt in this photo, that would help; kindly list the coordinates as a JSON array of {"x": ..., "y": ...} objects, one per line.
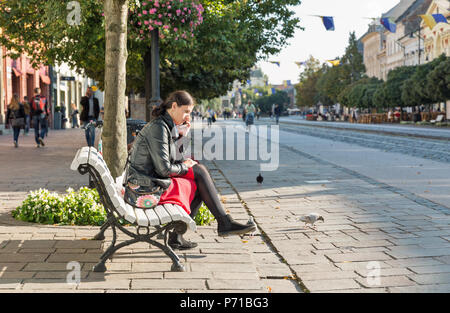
[{"x": 181, "y": 191}]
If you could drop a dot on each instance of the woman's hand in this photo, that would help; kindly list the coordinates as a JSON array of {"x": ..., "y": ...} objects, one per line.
[
  {"x": 183, "y": 129},
  {"x": 189, "y": 163}
]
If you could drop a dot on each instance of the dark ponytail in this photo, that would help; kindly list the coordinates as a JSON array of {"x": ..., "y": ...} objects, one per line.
[{"x": 180, "y": 97}]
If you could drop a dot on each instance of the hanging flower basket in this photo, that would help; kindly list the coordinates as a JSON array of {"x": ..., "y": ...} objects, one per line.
[{"x": 175, "y": 19}]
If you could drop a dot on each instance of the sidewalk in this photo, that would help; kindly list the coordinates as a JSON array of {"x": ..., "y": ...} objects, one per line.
[
  {"x": 34, "y": 258},
  {"x": 399, "y": 129},
  {"x": 374, "y": 238}
]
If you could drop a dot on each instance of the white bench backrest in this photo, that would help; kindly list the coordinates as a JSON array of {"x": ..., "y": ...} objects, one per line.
[{"x": 162, "y": 214}]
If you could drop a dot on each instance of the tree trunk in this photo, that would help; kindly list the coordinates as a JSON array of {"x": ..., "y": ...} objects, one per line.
[
  {"x": 114, "y": 128},
  {"x": 148, "y": 82}
]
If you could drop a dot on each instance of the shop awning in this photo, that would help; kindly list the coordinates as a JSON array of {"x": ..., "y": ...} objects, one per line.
[
  {"x": 45, "y": 79},
  {"x": 16, "y": 72}
]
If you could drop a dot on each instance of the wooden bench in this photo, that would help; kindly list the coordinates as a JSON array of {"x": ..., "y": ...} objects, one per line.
[{"x": 163, "y": 218}]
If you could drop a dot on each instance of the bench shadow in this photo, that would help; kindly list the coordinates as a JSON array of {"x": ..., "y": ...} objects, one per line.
[{"x": 49, "y": 261}]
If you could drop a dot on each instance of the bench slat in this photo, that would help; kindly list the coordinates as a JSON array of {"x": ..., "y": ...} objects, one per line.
[
  {"x": 164, "y": 217},
  {"x": 152, "y": 217},
  {"x": 186, "y": 218},
  {"x": 75, "y": 163},
  {"x": 129, "y": 215},
  {"x": 141, "y": 217},
  {"x": 174, "y": 213},
  {"x": 119, "y": 204}
]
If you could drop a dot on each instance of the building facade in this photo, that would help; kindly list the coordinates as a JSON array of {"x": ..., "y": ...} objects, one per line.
[
  {"x": 385, "y": 51},
  {"x": 20, "y": 78},
  {"x": 437, "y": 40}
]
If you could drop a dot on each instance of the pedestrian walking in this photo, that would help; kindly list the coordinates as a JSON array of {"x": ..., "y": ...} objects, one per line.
[
  {"x": 277, "y": 112},
  {"x": 16, "y": 116},
  {"x": 40, "y": 112},
  {"x": 90, "y": 112},
  {"x": 210, "y": 116},
  {"x": 26, "y": 107},
  {"x": 249, "y": 119},
  {"x": 74, "y": 115}
]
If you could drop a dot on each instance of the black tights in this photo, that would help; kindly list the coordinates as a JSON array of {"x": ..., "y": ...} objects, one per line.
[{"x": 206, "y": 192}]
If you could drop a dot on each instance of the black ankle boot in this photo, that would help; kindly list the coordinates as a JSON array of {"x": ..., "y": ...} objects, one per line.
[
  {"x": 177, "y": 241},
  {"x": 227, "y": 226}
]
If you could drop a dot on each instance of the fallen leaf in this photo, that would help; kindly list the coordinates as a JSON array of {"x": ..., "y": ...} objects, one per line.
[
  {"x": 277, "y": 208},
  {"x": 244, "y": 241},
  {"x": 269, "y": 289},
  {"x": 418, "y": 173},
  {"x": 84, "y": 239}
]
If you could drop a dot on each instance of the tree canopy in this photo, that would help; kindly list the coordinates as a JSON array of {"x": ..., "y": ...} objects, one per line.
[{"x": 238, "y": 33}]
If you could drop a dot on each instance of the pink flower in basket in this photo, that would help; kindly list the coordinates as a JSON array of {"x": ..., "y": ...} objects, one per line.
[{"x": 147, "y": 201}]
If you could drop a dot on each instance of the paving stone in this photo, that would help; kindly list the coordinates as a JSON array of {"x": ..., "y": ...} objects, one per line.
[
  {"x": 211, "y": 267},
  {"x": 274, "y": 270},
  {"x": 228, "y": 284},
  {"x": 445, "y": 288},
  {"x": 333, "y": 275},
  {"x": 385, "y": 281},
  {"x": 359, "y": 257},
  {"x": 12, "y": 284},
  {"x": 22, "y": 258},
  {"x": 281, "y": 286},
  {"x": 234, "y": 276},
  {"x": 433, "y": 269},
  {"x": 107, "y": 284},
  {"x": 44, "y": 284},
  {"x": 335, "y": 284},
  {"x": 176, "y": 284},
  {"x": 15, "y": 275},
  {"x": 385, "y": 272},
  {"x": 428, "y": 279},
  {"x": 301, "y": 269}
]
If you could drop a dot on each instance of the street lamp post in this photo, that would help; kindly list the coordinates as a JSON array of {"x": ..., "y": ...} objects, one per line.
[{"x": 156, "y": 96}]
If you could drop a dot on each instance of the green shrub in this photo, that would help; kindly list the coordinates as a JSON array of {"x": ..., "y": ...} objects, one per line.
[
  {"x": 75, "y": 208},
  {"x": 204, "y": 216}
]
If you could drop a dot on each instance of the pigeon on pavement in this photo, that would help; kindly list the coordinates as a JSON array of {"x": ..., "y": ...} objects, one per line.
[
  {"x": 311, "y": 218},
  {"x": 250, "y": 222},
  {"x": 259, "y": 179}
]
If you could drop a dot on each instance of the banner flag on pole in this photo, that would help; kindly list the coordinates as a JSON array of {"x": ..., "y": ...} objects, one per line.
[
  {"x": 299, "y": 64},
  {"x": 433, "y": 19},
  {"x": 274, "y": 91},
  {"x": 275, "y": 62},
  {"x": 249, "y": 82},
  {"x": 428, "y": 20},
  {"x": 288, "y": 83},
  {"x": 440, "y": 18},
  {"x": 334, "y": 62},
  {"x": 388, "y": 24},
  {"x": 255, "y": 91},
  {"x": 328, "y": 22}
]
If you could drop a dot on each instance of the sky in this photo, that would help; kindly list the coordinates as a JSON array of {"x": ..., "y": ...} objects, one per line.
[{"x": 316, "y": 41}]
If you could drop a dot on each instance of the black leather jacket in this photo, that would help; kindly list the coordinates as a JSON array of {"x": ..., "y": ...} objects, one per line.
[{"x": 153, "y": 157}]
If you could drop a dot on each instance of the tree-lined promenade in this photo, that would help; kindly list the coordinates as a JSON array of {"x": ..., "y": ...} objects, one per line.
[
  {"x": 347, "y": 84},
  {"x": 204, "y": 46}
]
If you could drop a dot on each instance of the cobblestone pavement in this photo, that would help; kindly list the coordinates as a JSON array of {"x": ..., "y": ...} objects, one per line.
[
  {"x": 376, "y": 238},
  {"x": 423, "y": 131},
  {"x": 438, "y": 150},
  {"x": 37, "y": 258}
]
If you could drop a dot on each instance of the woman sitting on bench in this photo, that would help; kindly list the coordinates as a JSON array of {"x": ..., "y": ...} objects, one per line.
[{"x": 154, "y": 170}]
